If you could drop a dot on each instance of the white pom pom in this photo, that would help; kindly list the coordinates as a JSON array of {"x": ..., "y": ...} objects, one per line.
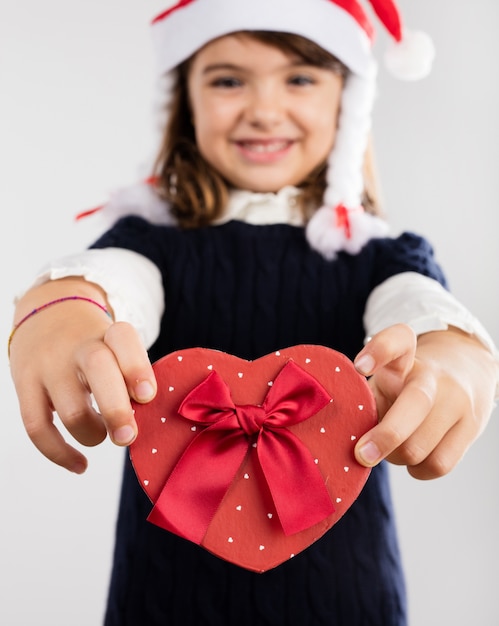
[
  {"x": 364, "y": 227},
  {"x": 139, "y": 199},
  {"x": 329, "y": 237},
  {"x": 412, "y": 58},
  {"x": 323, "y": 235}
]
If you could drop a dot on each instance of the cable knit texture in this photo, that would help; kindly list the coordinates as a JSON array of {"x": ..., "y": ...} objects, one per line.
[{"x": 250, "y": 290}]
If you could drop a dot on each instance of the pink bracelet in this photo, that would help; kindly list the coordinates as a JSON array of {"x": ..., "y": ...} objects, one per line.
[{"x": 45, "y": 306}]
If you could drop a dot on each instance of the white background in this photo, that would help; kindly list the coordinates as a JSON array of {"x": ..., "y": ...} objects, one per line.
[{"x": 76, "y": 84}]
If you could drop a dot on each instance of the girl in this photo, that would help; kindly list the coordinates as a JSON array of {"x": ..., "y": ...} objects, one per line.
[{"x": 254, "y": 240}]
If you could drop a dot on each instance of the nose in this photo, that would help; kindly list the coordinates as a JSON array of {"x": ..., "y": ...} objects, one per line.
[{"x": 264, "y": 108}]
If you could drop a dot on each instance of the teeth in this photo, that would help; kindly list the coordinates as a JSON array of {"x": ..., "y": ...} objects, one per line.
[{"x": 266, "y": 147}]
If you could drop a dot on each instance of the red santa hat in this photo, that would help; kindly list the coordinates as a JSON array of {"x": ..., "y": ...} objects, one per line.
[{"x": 342, "y": 28}]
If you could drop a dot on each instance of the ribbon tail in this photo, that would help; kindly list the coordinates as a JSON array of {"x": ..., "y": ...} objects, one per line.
[
  {"x": 199, "y": 481},
  {"x": 295, "y": 481}
]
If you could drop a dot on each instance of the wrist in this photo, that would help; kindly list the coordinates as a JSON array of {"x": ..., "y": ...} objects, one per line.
[
  {"x": 56, "y": 296},
  {"x": 51, "y": 290}
]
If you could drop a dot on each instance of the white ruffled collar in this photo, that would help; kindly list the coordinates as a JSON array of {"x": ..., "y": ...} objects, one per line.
[
  {"x": 331, "y": 229},
  {"x": 264, "y": 208},
  {"x": 245, "y": 206}
]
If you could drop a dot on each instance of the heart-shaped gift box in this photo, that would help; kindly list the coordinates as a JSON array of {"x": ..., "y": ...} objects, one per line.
[{"x": 253, "y": 460}]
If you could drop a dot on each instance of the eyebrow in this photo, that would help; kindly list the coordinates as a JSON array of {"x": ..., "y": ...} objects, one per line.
[
  {"x": 220, "y": 66},
  {"x": 214, "y": 67}
]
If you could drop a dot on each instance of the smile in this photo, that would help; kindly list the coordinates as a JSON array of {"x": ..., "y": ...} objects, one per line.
[
  {"x": 264, "y": 152},
  {"x": 263, "y": 147}
]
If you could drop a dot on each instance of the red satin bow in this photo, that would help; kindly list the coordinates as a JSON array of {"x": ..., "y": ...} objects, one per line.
[{"x": 202, "y": 476}]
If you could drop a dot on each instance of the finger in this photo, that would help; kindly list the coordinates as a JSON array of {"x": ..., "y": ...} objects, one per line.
[
  {"x": 394, "y": 347},
  {"x": 445, "y": 456},
  {"x": 448, "y": 412},
  {"x": 38, "y": 422},
  {"x": 400, "y": 422},
  {"x": 104, "y": 379},
  {"x": 72, "y": 402},
  {"x": 127, "y": 347},
  {"x": 441, "y": 441}
]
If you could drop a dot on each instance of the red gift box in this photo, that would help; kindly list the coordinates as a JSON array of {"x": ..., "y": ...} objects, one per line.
[{"x": 253, "y": 460}]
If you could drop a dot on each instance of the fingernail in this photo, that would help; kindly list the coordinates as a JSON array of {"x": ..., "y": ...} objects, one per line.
[
  {"x": 369, "y": 453},
  {"x": 144, "y": 391},
  {"x": 123, "y": 435},
  {"x": 365, "y": 364}
]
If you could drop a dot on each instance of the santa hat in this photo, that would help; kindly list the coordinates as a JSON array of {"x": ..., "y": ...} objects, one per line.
[{"x": 342, "y": 28}]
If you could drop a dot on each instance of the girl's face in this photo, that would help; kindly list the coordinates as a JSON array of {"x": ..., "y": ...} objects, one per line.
[{"x": 263, "y": 118}]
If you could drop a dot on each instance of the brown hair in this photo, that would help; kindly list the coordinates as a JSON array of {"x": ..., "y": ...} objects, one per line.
[{"x": 196, "y": 192}]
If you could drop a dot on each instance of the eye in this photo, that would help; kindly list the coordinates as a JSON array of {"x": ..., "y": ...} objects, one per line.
[
  {"x": 226, "y": 82},
  {"x": 300, "y": 80}
]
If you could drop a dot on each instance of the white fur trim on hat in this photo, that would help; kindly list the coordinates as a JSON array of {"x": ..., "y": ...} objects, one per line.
[
  {"x": 345, "y": 180},
  {"x": 342, "y": 223}
]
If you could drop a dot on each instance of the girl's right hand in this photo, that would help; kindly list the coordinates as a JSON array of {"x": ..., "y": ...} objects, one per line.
[{"x": 71, "y": 358}]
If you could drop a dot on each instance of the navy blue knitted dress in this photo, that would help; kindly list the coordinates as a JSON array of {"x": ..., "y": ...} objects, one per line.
[{"x": 249, "y": 290}]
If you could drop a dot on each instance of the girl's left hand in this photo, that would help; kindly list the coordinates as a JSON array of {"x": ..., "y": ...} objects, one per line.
[{"x": 434, "y": 396}]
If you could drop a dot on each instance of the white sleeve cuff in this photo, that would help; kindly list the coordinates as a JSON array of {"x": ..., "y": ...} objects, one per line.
[
  {"x": 132, "y": 284},
  {"x": 422, "y": 303}
]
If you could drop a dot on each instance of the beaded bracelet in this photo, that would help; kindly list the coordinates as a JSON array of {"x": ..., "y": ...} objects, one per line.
[{"x": 45, "y": 306}]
